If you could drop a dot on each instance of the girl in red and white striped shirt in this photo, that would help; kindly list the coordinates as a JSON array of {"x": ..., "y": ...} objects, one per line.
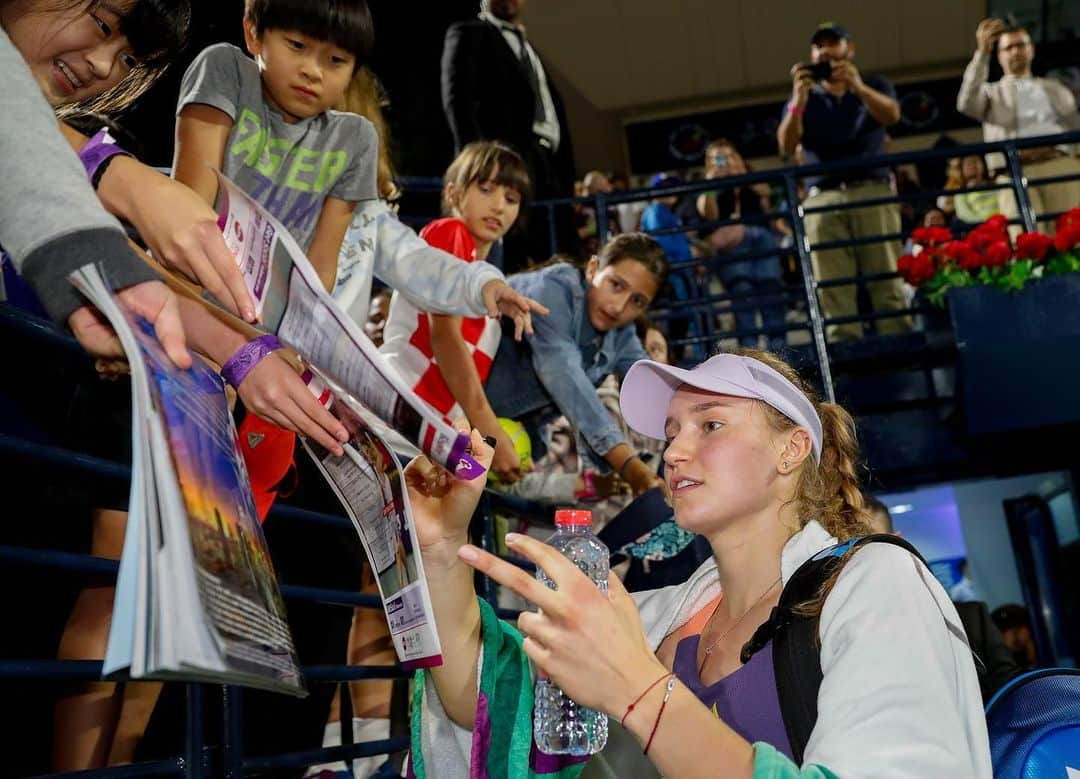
[{"x": 446, "y": 359}]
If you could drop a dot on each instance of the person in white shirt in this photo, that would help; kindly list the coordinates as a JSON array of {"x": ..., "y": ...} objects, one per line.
[{"x": 1020, "y": 105}]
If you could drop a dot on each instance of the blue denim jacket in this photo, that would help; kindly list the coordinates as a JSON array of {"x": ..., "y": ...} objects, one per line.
[{"x": 548, "y": 368}]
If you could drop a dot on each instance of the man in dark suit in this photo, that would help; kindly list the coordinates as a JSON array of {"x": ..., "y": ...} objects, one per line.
[{"x": 495, "y": 87}]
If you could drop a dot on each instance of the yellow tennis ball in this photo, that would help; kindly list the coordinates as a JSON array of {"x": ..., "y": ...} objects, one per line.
[{"x": 522, "y": 444}]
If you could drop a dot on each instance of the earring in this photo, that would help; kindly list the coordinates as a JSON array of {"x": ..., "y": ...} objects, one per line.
[{"x": 783, "y": 465}]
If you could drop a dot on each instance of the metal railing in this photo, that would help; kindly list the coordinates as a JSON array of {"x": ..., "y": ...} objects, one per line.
[
  {"x": 785, "y": 183},
  {"x": 785, "y": 186}
]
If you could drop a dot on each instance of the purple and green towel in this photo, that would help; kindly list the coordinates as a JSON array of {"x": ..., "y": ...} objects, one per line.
[{"x": 502, "y": 746}]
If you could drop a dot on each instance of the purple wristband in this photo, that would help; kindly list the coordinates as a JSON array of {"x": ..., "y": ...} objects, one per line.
[
  {"x": 95, "y": 153},
  {"x": 237, "y": 367}
]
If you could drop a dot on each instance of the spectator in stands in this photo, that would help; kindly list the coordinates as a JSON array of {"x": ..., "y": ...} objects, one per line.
[
  {"x": 932, "y": 217},
  {"x": 964, "y": 590},
  {"x": 843, "y": 117},
  {"x": 974, "y": 208},
  {"x": 747, "y": 281},
  {"x": 379, "y": 245},
  {"x": 446, "y": 359},
  {"x": 1015, "y": 625},
  {"x": 324, "y": 161},
  {"x": 935, "y": 217},
  {"x": 1019, "y": 105},
  {"x": 629, "y": 214},
  {"x": 658, "y": 216},
  {"x": 954, "y": 179},
  {"x": 588, "y": 335},
  {"x": 594, "y": 183},
  {"x": 495, "y": 87},
  {"x": 768, "y": 488},
  {"x": 654, "y": 341}
]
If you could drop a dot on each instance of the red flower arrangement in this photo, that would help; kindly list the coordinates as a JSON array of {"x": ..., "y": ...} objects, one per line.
[{"x": 986, "y": 255}]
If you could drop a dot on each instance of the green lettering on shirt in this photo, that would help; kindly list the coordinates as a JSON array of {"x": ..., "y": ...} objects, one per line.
[
  {"x": 270, "y": 159},
  {"x": 249, "y": 134},
  {"x": 308, "y": 170},
  {"x": 304, "y": 161},
  {"x": 333, "y": 164}
]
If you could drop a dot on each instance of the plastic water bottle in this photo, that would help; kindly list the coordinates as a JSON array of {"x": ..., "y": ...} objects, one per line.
[{"x": 560, "y": 726}]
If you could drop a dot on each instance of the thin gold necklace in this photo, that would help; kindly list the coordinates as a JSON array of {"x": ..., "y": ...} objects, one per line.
[{"x": 712, "y": 647}]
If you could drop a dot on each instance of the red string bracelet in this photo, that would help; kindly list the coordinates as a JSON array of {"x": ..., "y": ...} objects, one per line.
[
  {"x": 659, "y": 714},
  {"x": 637, "y": 700}
]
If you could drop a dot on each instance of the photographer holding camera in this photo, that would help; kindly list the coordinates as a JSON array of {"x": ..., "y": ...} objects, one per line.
[
  {"x": 1021, "y": 105},
  {"x": 836, "y": 114}
]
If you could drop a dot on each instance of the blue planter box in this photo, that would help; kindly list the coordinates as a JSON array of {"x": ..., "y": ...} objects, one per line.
[{"x": 1019, "y": 354}]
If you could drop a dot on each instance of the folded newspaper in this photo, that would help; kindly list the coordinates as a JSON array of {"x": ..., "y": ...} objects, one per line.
[{"x": 196, "y": 595}]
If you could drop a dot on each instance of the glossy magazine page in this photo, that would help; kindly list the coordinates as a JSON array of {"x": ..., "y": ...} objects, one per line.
[{"x": 291, "y": 300}]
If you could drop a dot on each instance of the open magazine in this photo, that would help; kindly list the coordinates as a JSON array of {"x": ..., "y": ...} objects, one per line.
[
  {"x": 364, "y": 391},
  {"x": 196, "y": 594},
  {"x": 368, "y": 481},
  {"x": 291, "y": 300}
]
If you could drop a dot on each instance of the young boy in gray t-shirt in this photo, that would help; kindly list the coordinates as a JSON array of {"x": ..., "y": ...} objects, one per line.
[{"x": 267, "y": 123}]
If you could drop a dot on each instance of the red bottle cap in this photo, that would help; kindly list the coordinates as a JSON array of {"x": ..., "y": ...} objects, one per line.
[{"x": 580, "y": 517}]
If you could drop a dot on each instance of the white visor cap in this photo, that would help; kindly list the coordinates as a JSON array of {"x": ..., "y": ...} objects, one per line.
[{"x": 648, "y": 387}]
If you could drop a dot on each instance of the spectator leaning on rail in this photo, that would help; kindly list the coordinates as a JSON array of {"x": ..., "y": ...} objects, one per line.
[
  {"x": 1019, "y": 105},
  {"x": 844, "y": 117}
]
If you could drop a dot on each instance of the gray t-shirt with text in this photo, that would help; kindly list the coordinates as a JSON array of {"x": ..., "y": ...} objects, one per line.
[{"x": 289, "y": 168}]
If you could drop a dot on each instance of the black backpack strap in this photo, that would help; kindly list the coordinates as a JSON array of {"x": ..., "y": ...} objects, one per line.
[{"x": 796, "y": 651}]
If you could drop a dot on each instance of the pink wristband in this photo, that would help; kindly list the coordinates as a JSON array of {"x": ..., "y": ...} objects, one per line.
[
  {"x": 237, "y": 367},
  {"x": 794, "y": 110}
]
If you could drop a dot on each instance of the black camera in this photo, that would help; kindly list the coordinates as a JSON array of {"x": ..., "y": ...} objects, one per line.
[{"x": 819, "y": 71}]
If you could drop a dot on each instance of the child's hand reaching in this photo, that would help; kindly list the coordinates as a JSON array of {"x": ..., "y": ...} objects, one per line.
[
  {"x": 501, "y": 298},
  {"x": 274, "y": 391},
  {"x": 180, "y": 228},
  {"x": 506, "y": 463},
  {"x": 641, "y": 477}
]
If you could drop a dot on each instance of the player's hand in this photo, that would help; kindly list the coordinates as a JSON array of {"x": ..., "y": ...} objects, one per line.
[{"x": 443, "y": 506}]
